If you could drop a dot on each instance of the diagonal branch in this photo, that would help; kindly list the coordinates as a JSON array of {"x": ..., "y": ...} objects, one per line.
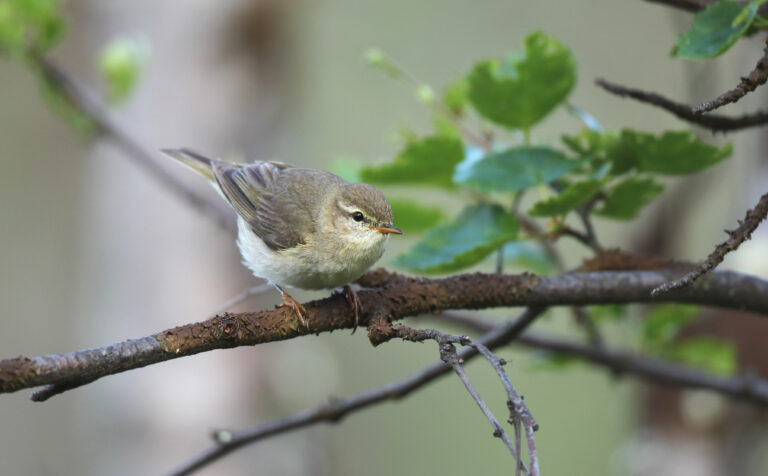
[
  {"x": 736, "y": 237},
  {"x": 757, "y": 77},
  {"x": 82, "y": 100},
  {"x": 335, "y": 410},
  {"x": 714, "y": 122},
  {"x": 691, "y": 6},
  {"x": 402, "y": 297},
  {"x": 519, "y": 413},
  {"x": 748, "y": 387}
]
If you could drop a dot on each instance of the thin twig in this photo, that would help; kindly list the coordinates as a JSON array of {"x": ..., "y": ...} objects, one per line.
[
  {"x": 585, "y": 214},
  {"x": 446, "y": 343},
  {"x": 747, "y": 387},
  {"x": 399, "y": 298},
  {"x": 757, "y": 77},
  {"x": 692, "y": 6},
  {"x": 714, "y": 122},
  {"x": 85, "y": 102},
  {"x": 518, "y": 411},
  {"x": 335, "y": 410},
  {"x": 736, "y": 237},
  {"x": 581, "y": 237}
]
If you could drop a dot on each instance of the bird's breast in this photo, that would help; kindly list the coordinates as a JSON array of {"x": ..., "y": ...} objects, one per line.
[{"x": 322, "y": 262}]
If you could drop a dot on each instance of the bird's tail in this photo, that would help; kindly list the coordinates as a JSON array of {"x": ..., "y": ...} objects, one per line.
[{"x": 195, "y": 161}]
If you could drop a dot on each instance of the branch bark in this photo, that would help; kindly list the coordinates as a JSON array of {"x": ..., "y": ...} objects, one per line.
[
  {"x": 85, "y": 102},
  {"x": 748, "y": 387},
  {"x": 399, "y": 297},
  {"x": 692, "y": 6},
  {"x": 335, "y": 410},
  {"x": 756, "y": 78},
  {"x": 713, "y": 122},
  {"x": 736, "y": 237}
]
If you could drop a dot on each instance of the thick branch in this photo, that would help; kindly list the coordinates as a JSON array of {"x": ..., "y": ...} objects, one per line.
[
  {"x": 748, "y": 387},
  {"x": 757, "y": 77},
  {"x": 736, "y": 237},
  {"x": 401, "y": 298},
  {"x": 335, "y": 410},
  {"x": 714, "y": 122},
  {"x": 86, "y": 103}
]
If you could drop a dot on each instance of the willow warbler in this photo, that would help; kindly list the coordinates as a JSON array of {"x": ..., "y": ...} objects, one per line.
[{"x": 300, "y": 227}]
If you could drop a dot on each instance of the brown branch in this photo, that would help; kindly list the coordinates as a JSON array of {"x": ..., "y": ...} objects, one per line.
[
  {"x": 691, "y": 6},
  {"x": 519, "y": 413},
  {"x": 757, "y": 77},
  {"x": 82, "y": 100},
  {"x": 749, "y": 387},
  {"x": 736, "y": 237},
  {"x": 402, "y": 297},
  {"x": 335, "y": 410},
  {"x": 714, "y": 122}
]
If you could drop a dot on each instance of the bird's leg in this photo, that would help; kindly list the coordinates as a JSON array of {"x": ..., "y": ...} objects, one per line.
[
  {"x": 353, "y": 301},
  {"x": 297, "y": 308}
]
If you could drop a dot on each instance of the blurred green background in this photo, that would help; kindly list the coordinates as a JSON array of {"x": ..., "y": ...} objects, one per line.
[{"x": 94, "y": 251}]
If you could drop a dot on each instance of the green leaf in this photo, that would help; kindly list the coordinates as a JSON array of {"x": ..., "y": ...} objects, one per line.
[
  {"x": 707, "y": 353},
  {"x": 477, "y": 232},
  {"x": 572, "y": 197},
  {"x": 664, "y": 322},
  {"x": 30, "y": 26},
  {"x": 521, "y": 90},
  {"x": 625, "y": 200},
  {"x": 427, "y": 161},
  {"x": 672, "y": 153},
  {"x": 121, "y": 63},
  {"x": 715, "y": 29},
  {"x": 411, "y": 217},
  {"x": 455, "y": 97},
  {"x": 425, "y": 94},
  {"x": 514, "y": 169}
]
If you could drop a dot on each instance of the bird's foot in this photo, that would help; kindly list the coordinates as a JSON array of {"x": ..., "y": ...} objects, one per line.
[
  {"x": 354, "y": 301},
  {"x": 298, "y": 309}
]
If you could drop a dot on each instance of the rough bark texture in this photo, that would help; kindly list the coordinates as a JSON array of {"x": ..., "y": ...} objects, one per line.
[{"x": 398, "y": 297}]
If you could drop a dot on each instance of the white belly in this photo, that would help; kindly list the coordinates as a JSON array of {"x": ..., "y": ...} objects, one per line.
[{"x": 309, "y": 266}]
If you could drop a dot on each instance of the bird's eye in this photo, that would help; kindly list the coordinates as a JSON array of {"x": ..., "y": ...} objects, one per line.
[{"x": 357, "y": 216}]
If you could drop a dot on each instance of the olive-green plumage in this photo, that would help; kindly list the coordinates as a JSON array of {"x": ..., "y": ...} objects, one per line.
[{"x": 299, "y": 227}]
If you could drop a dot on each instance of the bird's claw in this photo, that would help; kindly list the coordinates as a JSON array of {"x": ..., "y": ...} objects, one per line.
[
  {"x": 298, "y": 309},
  {"x": 354, "y": 301}
]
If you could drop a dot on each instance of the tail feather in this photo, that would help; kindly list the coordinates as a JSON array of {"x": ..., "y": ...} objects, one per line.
[{"x": 192, "y": 159}]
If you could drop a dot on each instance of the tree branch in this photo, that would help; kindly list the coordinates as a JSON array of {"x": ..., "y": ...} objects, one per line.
[
  {"x": 749, "y": 387},
  {"x": 691, "y": 6},
  {"x": 714, "y": 122},
  {"x": 335, "y": 410},
  {"x": 757, "y": 77},
  {"x": 519, "y": 413},
  {"x": 79, "y": 98},
  {"x": 736, "y": 237},
  {"x": 400, "y": 297}
]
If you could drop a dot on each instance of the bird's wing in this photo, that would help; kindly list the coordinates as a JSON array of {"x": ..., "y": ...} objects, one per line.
[{"x": 249, "y": 189}]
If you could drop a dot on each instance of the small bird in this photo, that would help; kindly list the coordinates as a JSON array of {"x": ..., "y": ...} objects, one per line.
[{"x": 299, "y": 227}]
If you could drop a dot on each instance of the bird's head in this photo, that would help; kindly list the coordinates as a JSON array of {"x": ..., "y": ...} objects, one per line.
[{"x": 361, "y": 214}]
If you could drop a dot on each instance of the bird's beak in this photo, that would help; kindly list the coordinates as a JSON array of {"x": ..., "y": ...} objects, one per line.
[{"x": 387, "y": 229}]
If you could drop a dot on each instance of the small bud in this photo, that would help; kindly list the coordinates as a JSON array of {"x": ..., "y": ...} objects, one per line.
[
  {"x": 223, "y": 437},
  {"x": 378, "y": 60},
  {"x": 425, "y": 94}
]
